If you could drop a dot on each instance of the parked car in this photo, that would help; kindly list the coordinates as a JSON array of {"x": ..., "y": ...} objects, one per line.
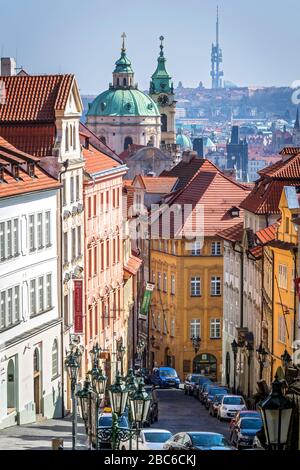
[
  {"x": 153, "y": 409},
  {"x": 214, "y": 405},
  {"x": 198, "y": 385},
  {"x": 212, "y": 392},
  {"x": 105, "y": 422},
  {"x": 230, "y": 405},
  {"x": 245, "y": 431},
  {"x": 149, "y": 439},
  {"x": 190, "y": 382},
  {"x": 243, "y": 414},
  {"x": 197, "y": 441},
  {"x": 205, "y": 389},
  {"x": 165, "y": 377}
]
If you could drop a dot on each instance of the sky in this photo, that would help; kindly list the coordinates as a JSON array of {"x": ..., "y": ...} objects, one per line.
[{"x": 259, "y": 38}]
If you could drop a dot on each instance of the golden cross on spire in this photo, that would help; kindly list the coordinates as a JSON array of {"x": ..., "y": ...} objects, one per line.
[{"x": 123, "y": 36}]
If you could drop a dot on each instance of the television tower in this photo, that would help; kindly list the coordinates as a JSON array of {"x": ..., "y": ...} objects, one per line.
[{"x": 216, "y": 60}]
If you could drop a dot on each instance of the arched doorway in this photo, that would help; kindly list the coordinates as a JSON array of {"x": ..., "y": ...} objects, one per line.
[
  {"x": 168, "y": 358},
  {"x": 205, "y": 364},
  {"x": 37, "y": 380},
  {"x": 128, "y": 141},
  {"x": 164, "y": 123},
  {"x": 11, "y": 387}
]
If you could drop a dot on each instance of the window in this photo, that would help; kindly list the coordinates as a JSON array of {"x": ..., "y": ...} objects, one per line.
[
  {"x": 114, "y": 197},
  {"x": 31, "y": 233},
  {"x": 174, "y": 251},
  {"x": 39, "y": 230},
  {"x": 281, "y": 329},
  {"x": 55, "y": 359},
  {"x": 74, "y": 139},
  {"x": 195, "y": 287},
  {"x": 33, "y": 297},
  {"x": 158, "y": 281},
  {"x": 90, "y": 263},
  {"x": 17, "y": 303},
  {"x": 118, "y": 197},
  {"x": 67, "y": 139},
  {"x": 2, "y": 309},
  {"x": 89, "y": 207},
  {"x": 216, "y": 248},
  {"x": 64, "y": 193},
  {"x": 66, "y": 310},
  {"x": 41, "y": 294},
  {"x": 114, "y": 250},
  {"x": 101, "y": 203},
  {"x": 9, "y": 239},
  {"x": 282, "y": 278},
  {"x": 172, "y": 284},
  {"x": 102, "y": 256},
  {"x": 196, "y": 249},
  {"x": 158, "y": 322},
  {"x": 16, "y": 237},
  {"x": 293, "y": 280},
  {"x": 77, "y": 188},
  {"x": 66, "y": 256},
  {"x": 107, "y": 254},
  {"x": 172, "y": 332},
  {"x": 71, "y": 135},
  {"x": 9, "y": 307},
  {"x": 95, "y": 261},
  {"x": 195, "y": 328},
  {"x": 72, "y": 189},
  {"x": 73, "y": 243},
  {"x": 165, "y": 326},
  {"x": 48, "y": 291},
  {"x": 2, "y": 241},
  {"x": 79, "y": 240},
  {"x": 215, "y": 328},
  {"x": 95, "y": 205},
  {"x": 165, "y": 282},
  {"x": 47, "y": 229},
  {"x": 287, "y": 225},
  {"x": 215, "y": 286}
]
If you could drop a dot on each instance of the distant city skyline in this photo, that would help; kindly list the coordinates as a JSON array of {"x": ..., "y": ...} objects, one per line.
[{"x": 85, "y": 39}]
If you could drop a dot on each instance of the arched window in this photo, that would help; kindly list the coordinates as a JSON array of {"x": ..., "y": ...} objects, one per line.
[
  {"x": 103, "y": 139},
  {"x": 124, "y": 81},
  {"x": 11, "y": 391},
  {"x": 55, "y": 358},
  {"x": 67, "y": 138},
  {"x": 128, "y": 141},
  {"x": 164, "y": 123}
]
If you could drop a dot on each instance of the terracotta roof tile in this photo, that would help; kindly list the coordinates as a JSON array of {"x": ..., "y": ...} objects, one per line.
[
  {"x": 267, "y": 234},
  {"x": 234, "y": 233},
  {"x": 185, "y": 171},
  {"x": 133, "y": 265},
  {"x": 256, "y": 252},
  {"x": 158, "y": 184},
  {"x": 35, "y": 139},
  {"x": 96, "y": 161}
]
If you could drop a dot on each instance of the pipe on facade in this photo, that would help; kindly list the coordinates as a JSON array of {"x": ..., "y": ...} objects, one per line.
[{"x": 273, "y": 302}]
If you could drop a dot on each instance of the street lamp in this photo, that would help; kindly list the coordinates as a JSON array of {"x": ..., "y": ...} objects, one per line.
[
  {"x": 196, "y": 341},
  {"x": 118, "y": 394},
  {"x": 276, "y": 412},
  {"x": 234, "y": 347},
  {"x": 139, "y": 405},
  {"x": 261, "y": 357},
  {"x": 94, "y": 352},
  {"x": 249, "y": 348},
  {"x": 72, "y": 364},
  {"x": 286, "y": 360},
  {"x": 85, "y": 398}
]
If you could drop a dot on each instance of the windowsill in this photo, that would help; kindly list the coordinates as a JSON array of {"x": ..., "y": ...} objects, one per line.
[
  {"x": 41, "y": 313},
  {"x": 9, "y": 258},
  {"x": 55, "y": 377},
  {"x": 213, "y": 339},
  {"x": 6, "y": 328},
  {"x": 216, "y": 295},
  {"x": 195, "y": 296}
]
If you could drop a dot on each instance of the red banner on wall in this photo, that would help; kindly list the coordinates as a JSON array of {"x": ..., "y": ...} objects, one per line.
[
  {"x": 78, "y": 308},
  {"x": 297, "y": 286}
]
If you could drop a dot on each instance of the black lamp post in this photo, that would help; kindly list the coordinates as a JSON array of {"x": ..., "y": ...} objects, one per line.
[
  {"x": 249, "y": 348},
  {"x": 72, "y": 364},
  {"x": 196, "y": 341},
  {"x": 234, "y": 347},
  {"x": 286, "y": 360},
  {"x": 276, "y": 412},
  {"x": 261, "y": 357},
  {"x": 85, "y": 401},
  {"x": 139, "y": 405}
]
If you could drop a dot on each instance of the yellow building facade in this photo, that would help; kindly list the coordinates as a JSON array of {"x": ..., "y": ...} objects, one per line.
[{"x": 187, "y": 302}]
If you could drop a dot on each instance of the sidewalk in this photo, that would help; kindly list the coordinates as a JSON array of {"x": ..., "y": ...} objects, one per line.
[{"x": 38, "y": 436}]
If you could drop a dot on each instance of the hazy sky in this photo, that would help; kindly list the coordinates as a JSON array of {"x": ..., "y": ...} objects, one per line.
[{"x": 259, "y": 38}]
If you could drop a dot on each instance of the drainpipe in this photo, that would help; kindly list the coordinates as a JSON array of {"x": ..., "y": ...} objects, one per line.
[
  {"x": 273, "y": 304},
  {"x": 295, "y": 251},
  {"x": 65, "y": 165}
]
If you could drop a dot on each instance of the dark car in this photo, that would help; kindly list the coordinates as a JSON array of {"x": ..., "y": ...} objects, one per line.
[
  {"x": 165, "y": 377},
  {"x": 214, "y": 405},
  {"x": 243, "y": 414},
  {"x": 203, "y": 391},
  {"x": 105, "y": 424},
  {"x": 212, "y": 391},
  {"x": 197, "y": 441},
  {"x": 244, "y": 432},
  {"x": 198, "y": 385},
  {"x": 190, "y": 382},
  {"x": 153, "y": 409}
]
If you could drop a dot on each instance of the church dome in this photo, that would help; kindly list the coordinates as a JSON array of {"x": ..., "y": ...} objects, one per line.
[
  {"x": 123, "y": 102},
  {"x": 184, "y": 141}
]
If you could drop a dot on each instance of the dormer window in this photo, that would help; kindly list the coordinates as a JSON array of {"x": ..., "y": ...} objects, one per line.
[
  {"x": 15, "y": 171},
  {"x": 31, "y": 170},
  {"x": 234, "y": 212}
]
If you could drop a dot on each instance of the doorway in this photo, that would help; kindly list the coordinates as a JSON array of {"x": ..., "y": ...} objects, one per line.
[
  {"x": 37, "y": 381},
  {"x": 11, "y": 387},
  {"x": 205, "y": 364}
]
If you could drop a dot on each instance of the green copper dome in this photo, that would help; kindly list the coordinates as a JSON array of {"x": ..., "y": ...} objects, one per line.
[
  {"x": 123, "y": 102},
  {"x": 184, "y": 141}
]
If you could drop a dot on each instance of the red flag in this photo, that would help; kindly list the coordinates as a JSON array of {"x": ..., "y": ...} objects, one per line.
[{"x": 297, "y": 286}]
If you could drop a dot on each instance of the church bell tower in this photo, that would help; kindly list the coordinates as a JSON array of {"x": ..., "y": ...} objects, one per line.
[{"x": 162, "y": 92}]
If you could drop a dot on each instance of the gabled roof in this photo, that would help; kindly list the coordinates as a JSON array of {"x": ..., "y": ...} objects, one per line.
[
  {"x": 256, "y": 252},
  {"x": 157, "y": 184},
  {"x": 10, "y": 186},
  {"x": 34, "y": 98},
  {"x": 184, "y": 171},
  {"x": 234, "y": 233},
  {"x": 35, "y": 139},
  {"x": 96, "y": 161},
  {"x": 267, "y": 234}
]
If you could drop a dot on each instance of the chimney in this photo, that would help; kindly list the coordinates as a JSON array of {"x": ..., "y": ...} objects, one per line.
[
  {"x": 189, "y": 155},
  {"x": 87, "y": 142},
  {"x": 8, "y": 66}
]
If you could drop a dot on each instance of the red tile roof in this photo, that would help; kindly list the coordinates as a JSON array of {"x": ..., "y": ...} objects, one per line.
[
  {"x": 34, "y": 98},
  {"x": 216, "y": 194},
  {"x": 265, "y": 197},
  {"x": 267, "y": 234},
  {"x": 86, "y": 133},
  {"x": 130, "y": 151},
  {"x": 11, "y": 186},
  {"x": 185, "y": 171},
  {"x": 234, "y": 233},
  {"x": 256, "y": 252},
  {"x": 157, "y": 184},
  {"x": 35, "y": 139},
  {"x": 133, "y": 265},
  {"x": 290, "y": 151},
  {"x": 96, "y": 161}
]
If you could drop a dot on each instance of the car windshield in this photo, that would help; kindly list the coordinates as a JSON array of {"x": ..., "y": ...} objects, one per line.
[
  {"x": 233, "y": 401},
  {"x": 218, "y": 398},
  {"x": 248, "y": 423},
  {"x": 217, "y": 391},
  {"x": 209, "y": 440},
  {"x": 157, "y": 436},
  {"x": 106, "y": 421},
  {"x": 168, "y": 373},
  {"x": 194, "y": 378}
]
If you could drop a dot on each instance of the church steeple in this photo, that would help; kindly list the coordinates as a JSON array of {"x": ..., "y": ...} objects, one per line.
[
  {"x": 161, "y": 80},
  {"x": 297, "y": 124},
  {"x": 123, "y": 74}
]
